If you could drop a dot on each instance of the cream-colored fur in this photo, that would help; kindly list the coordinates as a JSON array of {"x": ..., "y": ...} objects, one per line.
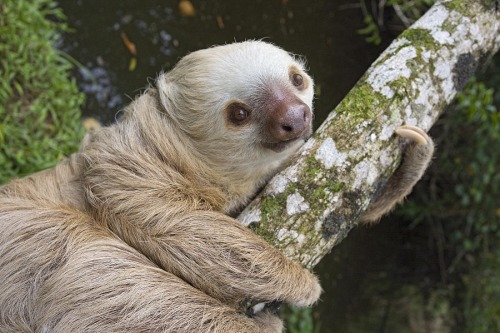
[{"x": 130, "y": 234}]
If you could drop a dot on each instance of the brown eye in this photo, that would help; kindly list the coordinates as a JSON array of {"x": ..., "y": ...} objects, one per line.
[
  {"x": 238, "y": 114},
  {"x": 298, "y": 80}
]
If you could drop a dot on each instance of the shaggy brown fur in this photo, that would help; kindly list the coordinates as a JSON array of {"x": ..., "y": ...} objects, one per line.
[{"x": 131, "y": 234}]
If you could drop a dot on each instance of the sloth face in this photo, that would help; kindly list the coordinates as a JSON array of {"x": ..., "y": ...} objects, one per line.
[
  {"x": 246, "y": 104},
  {"x": 275, "y": 111}
]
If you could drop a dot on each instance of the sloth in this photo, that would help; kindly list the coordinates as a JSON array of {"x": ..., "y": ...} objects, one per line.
[{"x": 133, "y": 232}]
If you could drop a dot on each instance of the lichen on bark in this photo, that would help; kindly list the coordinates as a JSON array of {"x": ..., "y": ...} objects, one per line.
[{"x": 311, "y": 205}]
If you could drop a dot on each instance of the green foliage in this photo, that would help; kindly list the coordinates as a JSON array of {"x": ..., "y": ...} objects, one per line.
[
  {"x": 467, "y": 183},
  {"x": 482, "y": 302},
  {"x": 40, "y": 119},
  {"x": 477, "y": 103},
  {"x": 401, "y": 308},
  {"x": 461, "y": 201},
  {"x": 413, "y": 9},
  {"x": 390, "y": 15},
  {"x": 479, "y": 189},
  {"x": 371, "y": 31},
  {"x": 300, "y": 320}
]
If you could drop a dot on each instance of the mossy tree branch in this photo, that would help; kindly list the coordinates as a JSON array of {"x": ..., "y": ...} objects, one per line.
[{"x": 310, "y": 206}]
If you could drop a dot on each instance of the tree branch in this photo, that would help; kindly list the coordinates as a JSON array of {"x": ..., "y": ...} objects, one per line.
[{"x": 311, "y": 205}]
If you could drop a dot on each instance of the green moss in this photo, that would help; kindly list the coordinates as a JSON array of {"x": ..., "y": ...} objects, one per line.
[
  {"x": 401, "y": 86},
  {"x": 270, "y": 206},
  {"x": 450, "y": 27},
  {"x": 291, "y": 188},
  {"x": 39, "y": 102},
  {"x": 319, "y": 198},
  {"x": 419, "y": 38},
  {"x": 312, "y": 167},
  {"x": 335, "y": 187},
  {"x": 423, "y": 41},
  {"x": 318, "y": 194},
  {"x": 460, "y": 6},
  {"x": 359, "y": 103},
  {"x": 261, "y": 230}
]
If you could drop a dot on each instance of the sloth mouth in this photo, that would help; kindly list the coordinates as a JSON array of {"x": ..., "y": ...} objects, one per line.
[{"x": 278, "y": 147}]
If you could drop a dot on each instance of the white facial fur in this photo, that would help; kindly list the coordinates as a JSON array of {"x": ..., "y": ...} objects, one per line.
[{"x": 203, "y": 83}]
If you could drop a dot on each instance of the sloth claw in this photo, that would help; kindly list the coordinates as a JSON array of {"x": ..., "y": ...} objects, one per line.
[
  {"x": 254, "y": 308},
  {"x": 414, "y": 133}
]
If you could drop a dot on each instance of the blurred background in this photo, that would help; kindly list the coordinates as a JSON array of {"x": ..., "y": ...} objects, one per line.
[{"x": 432, "y": 266}]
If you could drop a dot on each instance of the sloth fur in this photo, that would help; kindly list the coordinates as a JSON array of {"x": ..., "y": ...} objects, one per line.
[{"x": 132, "y": 233}]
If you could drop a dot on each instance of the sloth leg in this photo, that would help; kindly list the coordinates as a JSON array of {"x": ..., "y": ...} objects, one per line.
[
  {"x": 60, "y": 272},
  {"x": 418, "y": 150},
  {"x": 227, "y": 261},
  {"x": 109, "y": 287}
]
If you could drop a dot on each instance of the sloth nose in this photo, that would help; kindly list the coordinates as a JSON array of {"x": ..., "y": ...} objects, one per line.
[{"x": 290, "y": 120}]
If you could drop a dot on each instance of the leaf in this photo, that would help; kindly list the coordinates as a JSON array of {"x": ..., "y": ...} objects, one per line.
[
  {"x": 186, "y": 8},
  {"x": 128, "y": 44},
  {"x": 220, "y": 22},
  {"x": 132, "y": 64}
]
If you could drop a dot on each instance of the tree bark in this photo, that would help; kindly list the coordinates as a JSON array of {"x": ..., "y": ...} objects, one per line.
[{"x": 311, "y": 205}]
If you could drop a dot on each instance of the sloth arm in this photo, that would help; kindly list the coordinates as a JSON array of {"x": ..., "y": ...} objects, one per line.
[
  {"x": 169, "y": 218},
  {"x": 217, "y": 255},
  {"x": 86, "y": 271},
  {"x": 84, "y": 279},
  {"x": 418, "y": 150}
]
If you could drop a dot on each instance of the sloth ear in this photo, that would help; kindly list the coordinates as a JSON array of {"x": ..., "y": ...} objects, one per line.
[
  {"x": 166, "y": 91},
  {"x": 163, "y": 84}
]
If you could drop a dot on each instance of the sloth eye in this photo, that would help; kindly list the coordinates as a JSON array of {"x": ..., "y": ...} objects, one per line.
[
  {"x": 297, "y": 80},
  {"x": 238, "y": 114}
]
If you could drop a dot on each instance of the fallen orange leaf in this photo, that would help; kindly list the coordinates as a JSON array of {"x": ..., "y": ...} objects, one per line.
[
  {"x": 186, "y": 8},
  {"x": 128, "y": 44}
]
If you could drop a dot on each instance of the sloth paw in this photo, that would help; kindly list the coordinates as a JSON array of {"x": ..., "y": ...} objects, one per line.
[
  {"x": 305, "y": 293},
  {"x": 418, "y": 149},
  {"x": 413, "y": 133}
]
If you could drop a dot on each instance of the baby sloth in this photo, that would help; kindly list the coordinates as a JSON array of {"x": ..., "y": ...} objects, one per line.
[{"x": 132, "y": 233}]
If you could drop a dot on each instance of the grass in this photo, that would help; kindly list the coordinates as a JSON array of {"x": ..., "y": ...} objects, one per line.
[{"x": 40, "y": 119}]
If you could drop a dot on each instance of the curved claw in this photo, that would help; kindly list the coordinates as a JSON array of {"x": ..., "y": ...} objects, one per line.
[
  {"x": 271, "y": 307},
  {"x": 414, "y": 133}
]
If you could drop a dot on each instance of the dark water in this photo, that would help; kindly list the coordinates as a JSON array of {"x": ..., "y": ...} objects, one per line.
[{"x": 325, "y": 32}]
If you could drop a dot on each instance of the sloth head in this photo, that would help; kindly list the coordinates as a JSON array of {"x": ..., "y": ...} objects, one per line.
[{"x": 246, "y": 107}]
